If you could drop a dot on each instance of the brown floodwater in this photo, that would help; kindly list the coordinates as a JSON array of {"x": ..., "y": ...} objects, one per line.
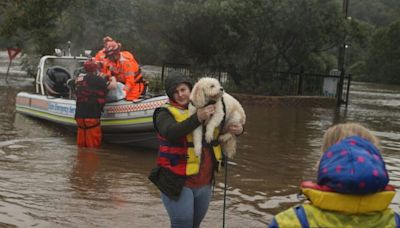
[{"x": 46, "y": 181}]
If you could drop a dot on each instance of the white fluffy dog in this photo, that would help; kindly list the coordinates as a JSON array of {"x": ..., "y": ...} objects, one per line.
[{"x": 207, "y": 91}]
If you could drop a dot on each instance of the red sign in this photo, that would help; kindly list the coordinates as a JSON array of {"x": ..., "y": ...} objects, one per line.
[{"x": 12, "y": 52}]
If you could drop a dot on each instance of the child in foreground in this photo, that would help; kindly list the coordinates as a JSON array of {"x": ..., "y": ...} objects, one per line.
[{"x": 352, "y": 185}]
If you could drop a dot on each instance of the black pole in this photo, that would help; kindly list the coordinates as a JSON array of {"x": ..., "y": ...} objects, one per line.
[
  {"x": 225, "y": 186},
  {"x": 341, "y": 56},
  {"x": 348, "y": 90},
  {"x": 8, "y": 70},
  {"x": 300, "y": 86},
  {"x": 162, "y": 74},
  {"x": 340, "y": 88}
]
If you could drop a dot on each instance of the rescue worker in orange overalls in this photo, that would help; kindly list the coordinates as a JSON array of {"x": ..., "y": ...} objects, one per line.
[
  {"x": 123, "y": 66},
  {"x": 91, "y": 91},
  {"x": 101, "y": 55}
]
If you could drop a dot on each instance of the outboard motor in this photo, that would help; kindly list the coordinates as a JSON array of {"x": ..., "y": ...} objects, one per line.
[{"x": 55, "y": 81}]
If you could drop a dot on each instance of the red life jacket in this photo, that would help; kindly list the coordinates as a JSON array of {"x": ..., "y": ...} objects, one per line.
[
  {"x": 89, "y": 94},
  {"x": 173, "y": 155},
  {"x": 179, "y": 157}
]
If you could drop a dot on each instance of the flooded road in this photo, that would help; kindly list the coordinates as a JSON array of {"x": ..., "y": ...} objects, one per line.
[{"x": 46, "y": 181}]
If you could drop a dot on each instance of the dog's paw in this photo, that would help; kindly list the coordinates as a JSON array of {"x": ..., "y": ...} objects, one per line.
[
  {"x": 197, "y": 151},
  {"x": 209, "y": 136},
  {"x": 225, "y": 137}
]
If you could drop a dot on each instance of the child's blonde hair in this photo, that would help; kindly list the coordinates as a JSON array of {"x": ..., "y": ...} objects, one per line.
[{"x": 344, "y": 130}]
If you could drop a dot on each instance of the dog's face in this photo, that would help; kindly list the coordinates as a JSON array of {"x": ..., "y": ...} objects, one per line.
[
  {"x": 204, "y": 90},
  {"x": 211, "y": 87}
]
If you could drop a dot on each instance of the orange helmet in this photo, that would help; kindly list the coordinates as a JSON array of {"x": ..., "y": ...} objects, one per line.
[
  {"x": 90, "y": 66},
  {"x": 112, "y": 48},
  {"x": 107, "y": 39}
]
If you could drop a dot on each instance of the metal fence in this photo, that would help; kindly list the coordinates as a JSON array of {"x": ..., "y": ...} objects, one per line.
[
  {"x": 308, "y": 84},
  {"x": 194, "y": 73},
  {"x": 275, "y": 83}
]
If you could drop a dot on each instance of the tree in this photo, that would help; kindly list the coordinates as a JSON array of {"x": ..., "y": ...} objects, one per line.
[
  {"x": 378, "y": 13},
  {"x": 383, "y": 64},
  {"x": 33, "y": 21},
  {"x": 86, "y": 22},
  {"x": 248, "y": 39},
  {"x": 358, "y": 41}
]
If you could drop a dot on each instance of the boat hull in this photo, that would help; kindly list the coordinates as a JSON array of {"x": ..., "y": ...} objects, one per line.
[{"x": 122, "y": 122}]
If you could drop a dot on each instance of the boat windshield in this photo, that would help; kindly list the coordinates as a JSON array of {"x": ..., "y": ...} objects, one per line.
[{"x": 70, "y": 64}]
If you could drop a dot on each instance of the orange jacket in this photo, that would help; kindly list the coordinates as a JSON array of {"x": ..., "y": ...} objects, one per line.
[
  {"x": 100, "y": 55},
  {"x": 127, "y": 71},
  {"x": 100, "y": 58}
]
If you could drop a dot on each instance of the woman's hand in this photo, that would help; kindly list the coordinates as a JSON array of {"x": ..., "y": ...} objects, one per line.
[
  {"x": 235, "y": 128},
  {"x": 205, "y": 112}
]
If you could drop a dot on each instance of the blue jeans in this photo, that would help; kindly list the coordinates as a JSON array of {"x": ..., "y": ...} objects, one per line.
[{"x": 190, "y": 209}]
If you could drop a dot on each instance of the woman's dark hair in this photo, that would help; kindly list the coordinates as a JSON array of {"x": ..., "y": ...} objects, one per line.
[{"x": 173, "y": 80}]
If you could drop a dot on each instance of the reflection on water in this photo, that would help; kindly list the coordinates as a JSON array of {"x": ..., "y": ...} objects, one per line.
[{"x": 48, "y": 182}]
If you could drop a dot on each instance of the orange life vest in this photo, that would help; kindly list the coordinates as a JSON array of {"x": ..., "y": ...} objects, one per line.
[{"x": 127, "y": 71}]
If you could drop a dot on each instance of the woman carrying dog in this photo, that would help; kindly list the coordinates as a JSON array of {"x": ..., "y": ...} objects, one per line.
[
  {"x": 183, "y": 178},
  {"x": 352, "y": 185}
]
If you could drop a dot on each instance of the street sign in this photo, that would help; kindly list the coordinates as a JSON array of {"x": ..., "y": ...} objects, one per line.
[{"x": 13, "y": 52}]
